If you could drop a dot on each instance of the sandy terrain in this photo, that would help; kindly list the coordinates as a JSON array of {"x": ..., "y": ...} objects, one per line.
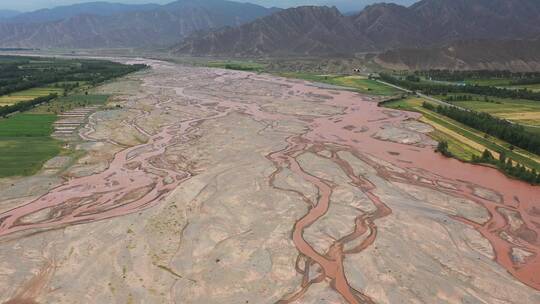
[{"x": 211, "y": 186}]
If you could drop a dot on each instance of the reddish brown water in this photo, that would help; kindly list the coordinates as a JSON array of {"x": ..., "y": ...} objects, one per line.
[
  {"x": 423, "y": 167},
  {"x": 330, "y": 262},
  {"x": 132, "y": 183},
  {"x": 517, "y": 197}
]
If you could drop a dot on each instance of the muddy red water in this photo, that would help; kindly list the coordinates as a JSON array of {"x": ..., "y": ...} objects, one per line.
[{"x": 139, "y": 178}]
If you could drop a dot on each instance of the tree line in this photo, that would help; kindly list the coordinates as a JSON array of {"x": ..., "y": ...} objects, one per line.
[
  {"x": 450, "y": 75},
  {"x": 445, "y": 89},
  {"x": 25, "y": 105},
  {"x": 17, "y": 74},
  {"x": 504, "y": 164},
  {"x": 453, "y": 98},
  {"x": 514, "y": 134}
]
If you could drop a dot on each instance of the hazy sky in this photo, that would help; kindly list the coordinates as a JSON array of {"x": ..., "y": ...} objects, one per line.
[{"x": 27, "y": 5}]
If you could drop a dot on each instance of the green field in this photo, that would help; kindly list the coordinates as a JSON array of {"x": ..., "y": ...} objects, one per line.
[
  {"x": 25, "y": 138},
  {"x": 359, "y": 83},
  {"x": 516, "y": 110},
  {"x": 464, "y": 142},
  {"x": 27, "y": 78},
  {"x": 28, "y": 95},
  {"x": 25, "y": 143}
]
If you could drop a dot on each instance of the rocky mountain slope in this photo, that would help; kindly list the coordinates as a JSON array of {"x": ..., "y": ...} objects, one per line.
[
  {"x": 305, "y": 30},
  {"x": 513, "y": 55},
  {"x": 69, "y": 11},
  {"x": 427, "y": 23},
  {"x": 148, "y": 26}
]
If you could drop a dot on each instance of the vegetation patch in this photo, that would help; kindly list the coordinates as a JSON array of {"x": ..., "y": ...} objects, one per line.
[
  {"x": 415, "y": 83},
  {"x": 361, "y": 84},
  {"x": 29, "y": 101},
  {"x": 511, "y": 133},
  {"x": 468, "y": 144},
  {"x": 20, "y": 74},
  {"x": 521, "y": 111},
  {"x": 29, "y": 94},
  {"x": 507, "y": 165},
  {"x": 66, "y": 103},
  {"x": 238, "y": 65},
  {"x": 25, "y": 105},
  {"x": 455, "y": 147},
  {"x": 26, "y": 144},
  {"x": 480, "y": 77},
  {"x": 531, "y": 87}
]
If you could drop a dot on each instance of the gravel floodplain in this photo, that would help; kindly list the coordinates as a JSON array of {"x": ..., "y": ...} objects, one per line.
[{"x": 215, "y": 186}]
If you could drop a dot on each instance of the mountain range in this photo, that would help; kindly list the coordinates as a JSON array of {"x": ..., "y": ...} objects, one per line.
[
  {"x": 427, "y": 34},
  {"x": 345, "y": 6},
  {"x": 5, "y": 14},
  {"x": 317, "y": 31},
  {"x": 109, "y": 25},
  {"x": 512, "y": 55},
  {"x": 305, "y": 30},
  {"x": 69, "y": 11}
]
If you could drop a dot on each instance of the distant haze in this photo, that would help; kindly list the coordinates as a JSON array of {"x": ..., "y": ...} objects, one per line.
[{"x": 343, "y": 5}]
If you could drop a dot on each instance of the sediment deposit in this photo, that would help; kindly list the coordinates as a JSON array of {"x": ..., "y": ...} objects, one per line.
[{"x": 213, "y": 186}]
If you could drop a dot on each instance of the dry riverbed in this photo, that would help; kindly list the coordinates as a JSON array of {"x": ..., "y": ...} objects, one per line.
[{"x": 213, "y": 186}]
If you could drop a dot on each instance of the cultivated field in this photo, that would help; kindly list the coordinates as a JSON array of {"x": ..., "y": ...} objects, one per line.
[
  {"x": 25, "y": 138},
  {"x": 464, "y": 142},
  {"x": 29, "y": 94},
  {"x": 25, "y": 143},
  {"x": 517, "y": 110}
]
